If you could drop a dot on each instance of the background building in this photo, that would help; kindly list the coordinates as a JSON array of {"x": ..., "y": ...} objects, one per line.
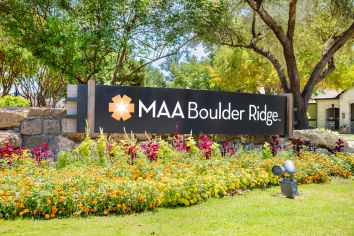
[{"x": 333, "y": 109}]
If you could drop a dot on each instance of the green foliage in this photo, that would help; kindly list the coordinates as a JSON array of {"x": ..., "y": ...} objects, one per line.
[
  {"x": 266, "y": 151},
  {"x": 13, "y": 101},
  {"x": 192, "y": 146},
  {"x": 191, "y": 74},
  {"x": 230, "y": 23},
  {"x": 165, "y": 150},
  {"x": 154, "y": 78},
  {"x": 240, "y": 70},
  {"x": 110, "y": 41}
]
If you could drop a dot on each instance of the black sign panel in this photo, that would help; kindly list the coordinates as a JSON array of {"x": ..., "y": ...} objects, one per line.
[{"x": 162, "y": 110}]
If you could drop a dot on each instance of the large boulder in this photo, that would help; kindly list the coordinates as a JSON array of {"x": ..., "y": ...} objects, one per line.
[
  {"x": 31, "y": 127},
  {"x": 11, "y": 137},
  {"x": 47, "y": 112},
  {"x": 51, "y": 126},
  {"x": 323, "y": 139},
  {"x": 12, "y": 117},
  {"x": 36, "y": 140},
  {"x": 76, "y": 137}
]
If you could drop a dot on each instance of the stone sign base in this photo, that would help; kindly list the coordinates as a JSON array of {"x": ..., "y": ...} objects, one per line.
[{"x": 31, "y": 127}]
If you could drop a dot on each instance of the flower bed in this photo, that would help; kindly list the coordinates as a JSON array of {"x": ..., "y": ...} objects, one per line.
[{"x": 103, "y": 178}]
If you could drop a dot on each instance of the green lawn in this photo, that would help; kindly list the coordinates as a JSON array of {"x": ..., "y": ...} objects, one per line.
[{"x": 322, "y": 209}]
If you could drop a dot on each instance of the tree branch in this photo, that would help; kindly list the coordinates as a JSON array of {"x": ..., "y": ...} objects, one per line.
[
  {"x": 291, "y": 19},
  {"x": 269, "y": 20},
  {"x": 318, "y": 72},
  {"x": 236, "y": 45},
  {"x": 267, "y": 54},
  {"x": 276, "y": 63},
  {"x": 156, "y": 59}
]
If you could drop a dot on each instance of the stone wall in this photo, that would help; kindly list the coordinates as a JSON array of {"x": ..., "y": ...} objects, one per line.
[
  {"x": 31, "y": 127},
  {"x": 322, "y": 106},
  {"x": 346, "y": 99}
]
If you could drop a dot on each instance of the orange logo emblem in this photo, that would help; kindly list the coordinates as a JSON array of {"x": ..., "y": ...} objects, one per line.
[{"x": 121, "y": 107}]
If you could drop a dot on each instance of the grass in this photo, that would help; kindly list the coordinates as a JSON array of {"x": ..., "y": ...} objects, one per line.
[
  {"x": 322, "y": 209},
  {"x": 349, "y": 137}
]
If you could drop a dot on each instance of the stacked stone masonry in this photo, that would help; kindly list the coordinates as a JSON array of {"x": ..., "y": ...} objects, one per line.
[{"x": 31, "y": 127}]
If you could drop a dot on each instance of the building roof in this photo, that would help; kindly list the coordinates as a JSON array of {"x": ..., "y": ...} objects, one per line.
[{"x": 328, "y": 94}]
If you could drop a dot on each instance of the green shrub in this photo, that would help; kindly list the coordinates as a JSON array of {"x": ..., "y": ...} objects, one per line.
[{"x": 12, "y": 101}]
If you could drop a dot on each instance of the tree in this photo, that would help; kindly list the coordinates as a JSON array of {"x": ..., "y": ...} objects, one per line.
[
  {"x": 44, "y": 88},
  {"x": 269, "y": 29},
  {"x": 107, "y": 40},
  {"x": 233, "y": 69},
  {"x": 191, "y": 74},
  {"x": 13, "y": 63},
  {"x": 154, "y": 78}
]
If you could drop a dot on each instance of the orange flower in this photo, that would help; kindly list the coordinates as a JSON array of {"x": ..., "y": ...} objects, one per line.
[
  {"x": 46, "y": 216},
  {"x": 119, "y": 192},
  {"x": 48, "y": 201},
  {"x": 142, "y": 198}
]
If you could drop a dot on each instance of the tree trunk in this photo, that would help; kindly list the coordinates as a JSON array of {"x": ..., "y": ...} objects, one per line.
[{"x": 301, "y": 119}]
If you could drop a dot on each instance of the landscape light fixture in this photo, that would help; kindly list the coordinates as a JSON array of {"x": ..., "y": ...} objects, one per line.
[{"x": 288, "y": 185}]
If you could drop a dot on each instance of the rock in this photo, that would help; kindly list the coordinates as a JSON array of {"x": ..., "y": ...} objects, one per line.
[
  {"x": 47, "y": 112},
  {"x": 31, "y": 127},
  {"x": 323, "y": 139},
  {"x": 36, "y": 140},
  {"x": 59, "y": 113},
  {"x": 350, "y": 149},
  {"x": 322, "y": 150},
  {"x": 12, "y": 117},
  {"x": 11, "y": 137},
  {"x": 60, "y": 143},
  {"x": 51, "y": 126},
  {"x": 258, "y": 139},
  {"x": 76, "y": 137},
  {"x": 38, "y": 111},
  {"x": 116, "y": 137},
  {"x": 250, "y": 147}
]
